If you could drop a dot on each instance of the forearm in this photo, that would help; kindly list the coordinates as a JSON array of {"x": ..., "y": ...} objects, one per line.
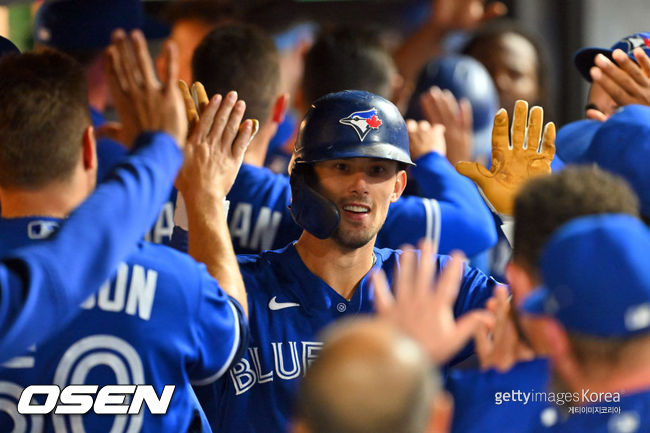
[{"x": 209, "y": 243}]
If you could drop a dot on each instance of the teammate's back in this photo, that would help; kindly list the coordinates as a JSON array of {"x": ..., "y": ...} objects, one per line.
[{"x": 161, "y": 320}]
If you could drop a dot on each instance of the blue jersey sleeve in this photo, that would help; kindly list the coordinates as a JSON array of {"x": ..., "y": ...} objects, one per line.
[
  {"x": 466, "y": 222},
  {"x": 43, "y": 285},
  {"x": 221, "y": 332}
]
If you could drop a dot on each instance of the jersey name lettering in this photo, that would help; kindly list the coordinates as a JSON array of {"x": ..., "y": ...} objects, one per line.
[
  {"x": 290, "y": 360},
  {"x": 131, "y": 296},
  {"x": 164, "y": 227},
  {"x": 266, "y": 227}
]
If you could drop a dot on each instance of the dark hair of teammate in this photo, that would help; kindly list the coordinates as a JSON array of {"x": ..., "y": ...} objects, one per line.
[
  {"x": 43, "y": 115},
  {"x": 544, "y": 204},
  {"x": 239, "y": 57},
  {"x": 347, "y": 59}
]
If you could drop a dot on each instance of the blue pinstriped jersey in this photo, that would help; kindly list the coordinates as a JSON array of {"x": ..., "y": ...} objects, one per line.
[
  {"x": 161, "y": 320},
  {"x": 288, "y": 307}
]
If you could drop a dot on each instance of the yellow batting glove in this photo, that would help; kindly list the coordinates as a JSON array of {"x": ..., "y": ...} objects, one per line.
[
  {"x": 195, "y": 101},
  {"x": 515, "y": 159}
]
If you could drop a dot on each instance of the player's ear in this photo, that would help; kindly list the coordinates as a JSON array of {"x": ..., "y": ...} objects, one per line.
[
  {"x": 520, "y": 281},
  {"x": 280, "y": 108},
  {"x": 400, "y": 184},
  {"x": 89, "y": 148}
]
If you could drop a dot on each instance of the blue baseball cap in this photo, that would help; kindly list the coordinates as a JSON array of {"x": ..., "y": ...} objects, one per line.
[
  {"x": 72, "y": 25},
  {"x": 620, "y": 145},
  {"x": 7, "y": 47},
  {"x": 596, "y": 276},
  {"x": 584, "y": 58}
]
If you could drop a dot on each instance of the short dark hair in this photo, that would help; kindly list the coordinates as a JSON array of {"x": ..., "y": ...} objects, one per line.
[
  {"x": 345, "y": 58},
  {"x": 239, "y": 57},
  {"x": 43, "y": 115},
  {"x": 545, "y": 203}
]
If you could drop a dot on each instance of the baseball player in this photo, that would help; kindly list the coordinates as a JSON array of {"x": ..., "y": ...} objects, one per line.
[
  {"x": 41, "y": 285},
  {"x": 116, "y": 338},
  {"x": 515, "y": 358},
  {"x": 598, "y": 340},
  {"x": 348, "y": 167},
  {"x": 259, "y": 218}
]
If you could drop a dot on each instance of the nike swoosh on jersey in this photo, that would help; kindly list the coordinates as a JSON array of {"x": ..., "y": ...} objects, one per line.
[{"x": 275, "y": 305}]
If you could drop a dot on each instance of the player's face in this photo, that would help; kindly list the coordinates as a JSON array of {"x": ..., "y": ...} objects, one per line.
[
  {"x": 599, "y": 100},
  {"x": 363, "y": 189},
  {"x": 512, "y": 63}
]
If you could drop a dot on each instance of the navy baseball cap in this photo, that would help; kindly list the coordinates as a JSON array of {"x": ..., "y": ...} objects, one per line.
[
  {"x": 7, "y": 47},
  {"x": 584, "y": 58},
  {"x": 72, "y": 25},
  {"x": 596, "y": 276}
]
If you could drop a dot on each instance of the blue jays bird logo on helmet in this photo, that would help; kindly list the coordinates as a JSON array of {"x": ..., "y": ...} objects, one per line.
[{"x": 363, "y": 121}]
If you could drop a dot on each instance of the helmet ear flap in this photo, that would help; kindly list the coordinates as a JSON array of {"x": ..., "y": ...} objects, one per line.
[{"x": 311, "y": 210}]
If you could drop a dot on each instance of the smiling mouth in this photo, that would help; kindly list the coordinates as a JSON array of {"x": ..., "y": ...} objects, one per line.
[{"x": 356, "y": 209}]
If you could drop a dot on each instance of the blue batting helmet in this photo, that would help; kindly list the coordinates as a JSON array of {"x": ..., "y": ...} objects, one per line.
[{"x": 348, "y": 124}]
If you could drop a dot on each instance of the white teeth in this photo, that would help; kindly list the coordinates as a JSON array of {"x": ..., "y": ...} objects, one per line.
[{"x": 359, "y": 209}]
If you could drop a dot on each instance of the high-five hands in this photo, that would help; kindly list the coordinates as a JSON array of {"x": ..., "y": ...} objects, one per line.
[
  {"x": 142, "y": 102},
  {"x": 515, "y": 160},
  {"x": 499, "y": 347},
  {"x": 423, "y": 312},
  {"x": 216, "y": 145}
]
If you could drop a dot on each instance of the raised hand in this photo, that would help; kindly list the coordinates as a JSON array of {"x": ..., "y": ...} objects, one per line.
[
  {"x": 424, "y": 312},
  {"x": 499, "y": 346},
  {"x": 425, "y": 138},
  {"x": 625, "y": 81},
  {"x": 215, "y": 149},
  {"x": 515, "y": 159},
  {"x": 440, "y": 106},
  {"x": 142, "y": 102}
]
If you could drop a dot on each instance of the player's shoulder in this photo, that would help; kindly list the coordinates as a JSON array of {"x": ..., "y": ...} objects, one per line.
[
  {"x": 266, "y": 259},
  {"x": 169, "y": 263}
]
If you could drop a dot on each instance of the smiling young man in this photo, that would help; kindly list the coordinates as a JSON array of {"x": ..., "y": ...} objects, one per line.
[{"x": 347, "y": 168}]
